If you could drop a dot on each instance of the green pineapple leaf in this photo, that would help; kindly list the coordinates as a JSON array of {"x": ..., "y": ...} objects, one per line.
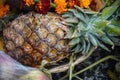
[
  {"x": 74, "y": 41},
  {"x": 93, "y": 40},
  {"x": 92, "y": 28},
  {"x": 108, "y": 11},
  {"x": 79, "y": 16},
  {"x": 98, "y": 31},
  {"x": 115, "y": 22},
  {"x": 106, "y": 40},
  {"x": 72, "y": 20},
  {"x": 37, "y": 0},
  {"x": 112, "y": 29},
  {"x": 67, "y": 15},
  {"x": 100, "y": 24}
]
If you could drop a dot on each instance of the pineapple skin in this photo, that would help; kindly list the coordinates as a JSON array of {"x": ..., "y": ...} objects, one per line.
[{"x": 33, "y": 38}]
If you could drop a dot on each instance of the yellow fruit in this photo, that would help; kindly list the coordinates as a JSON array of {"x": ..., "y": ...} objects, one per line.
[{"x": 34, "y": 37}]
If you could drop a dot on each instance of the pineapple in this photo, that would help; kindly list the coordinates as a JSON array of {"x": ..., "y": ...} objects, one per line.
[{"x": 33, "y": 38}]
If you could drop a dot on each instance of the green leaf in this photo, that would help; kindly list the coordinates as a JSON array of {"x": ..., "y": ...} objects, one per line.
[
  {"x": 79, "y": 9},
  {"x": 98, "y": 31},
  {"x": 99, "y": 23},
  {"x": 116, "y": 40},
  {"x": 112, "y": 29},
  {"x": 78, "y": 15},
  {"x": 37, "y": 0},
  {"x": 70, "y": 24},
  {"x": 74, "y": 41},
  {"x": 102, "y": 46},
  {"x": 70, "y": 32},
  {"x": 52, "y": 5},
  {"x": 77, "y": 48},
  {"x": 106, "y": 40},
  {"x": 115, "y": 22},
  {"x": 108, "y": 11},
  {"x": 75, "y": 34},
  {"x": 67, "y": 15},
  {"x": 80, "y": 26},
  {"x": 92, "y": 39},
  {"x": 88, "y": 47},
  {"x": 71, "y": 20},
  {"x": 83, "y": 42}
]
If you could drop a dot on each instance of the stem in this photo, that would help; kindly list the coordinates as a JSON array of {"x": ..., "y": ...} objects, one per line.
[
  {"x": 96, "y": 63},
  {"x": 79, "y": 60},
  {"x": 71, "y": 67},
  {"x": 66, "y": 66},
  {"x": 78, "y": 78}
]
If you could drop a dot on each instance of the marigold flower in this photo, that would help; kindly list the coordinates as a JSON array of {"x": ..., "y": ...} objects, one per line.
[
  {"x": 4, "y": 9},
  {"x": 29, "y": 2},
  {"x": 61, "y": 6},
  {"x": 71, "y": 3},
  {"x": 43, "y": 6},
  {"x": 85, "y": 3}
]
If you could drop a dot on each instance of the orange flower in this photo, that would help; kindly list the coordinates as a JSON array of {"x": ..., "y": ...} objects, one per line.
[
  {"x": 61, "y": 6},
  {"x": 4, "y": 10},
  {"x": 29, "y": 2},
  {"x": 85, "y": 3},
  {"x": 71, "y": 3},
  {"x": 38, "y": 6}
]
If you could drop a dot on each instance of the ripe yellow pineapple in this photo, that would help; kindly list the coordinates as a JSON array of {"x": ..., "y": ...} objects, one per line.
[{"x": 33, "y": 37}]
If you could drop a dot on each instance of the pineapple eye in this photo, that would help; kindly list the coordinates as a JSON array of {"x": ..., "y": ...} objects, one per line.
[
  {"x": 9, "y": 33},
  {"x": 17, "y": 53},
  {"x": 60, "y": 33},
  {"x": 52, "y": 27},
  {"x": 42, "y": 33},
  {"x": 33, "y": 39},
  {"x": 18, "y": 26},
  {"x": 27, "y": 48},
  {"x": 26, "y": 59},
  {"x": 26, "y": 32},
  {"x": 51, "y": 39},
  {"x": 18, "y": 40},
  {"x": 53, "y": 53},
  {"x": 10, "y": 45},
  {"x": 60, "y": 46},
  {"x": 37, "y": 56},
  {"x": 42, "y": 47}
]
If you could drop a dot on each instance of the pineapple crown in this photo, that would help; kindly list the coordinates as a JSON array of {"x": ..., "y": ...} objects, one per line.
[{"x": 88, "y": 28}]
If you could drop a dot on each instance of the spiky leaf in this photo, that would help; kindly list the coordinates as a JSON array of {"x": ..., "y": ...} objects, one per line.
[
  {"x": 108, "y": 11},
  {"x": 112, "y": 29},
  {"x": 115, "y": 22},
  {"x": 74, "y": 41}
]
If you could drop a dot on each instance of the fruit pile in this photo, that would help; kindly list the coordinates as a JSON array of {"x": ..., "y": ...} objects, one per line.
[{"x": 58, "y": 29}]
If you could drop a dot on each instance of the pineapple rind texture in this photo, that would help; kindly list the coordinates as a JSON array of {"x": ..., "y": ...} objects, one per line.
[{"x": 33, "y": 38}]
